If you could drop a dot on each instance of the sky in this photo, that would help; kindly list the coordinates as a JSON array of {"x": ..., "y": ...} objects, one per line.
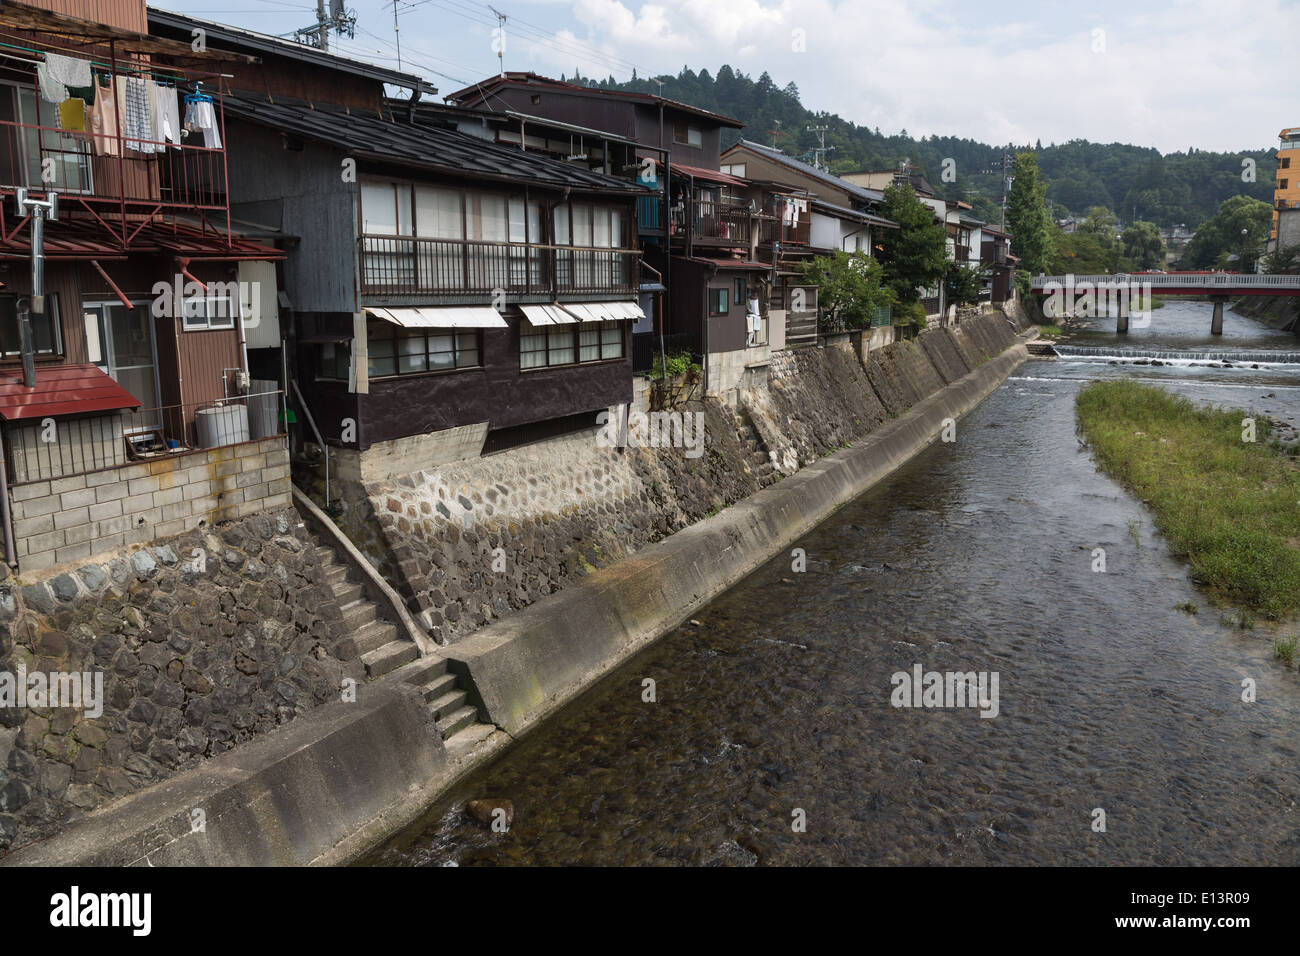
[{"x": 1211, "y": 74}]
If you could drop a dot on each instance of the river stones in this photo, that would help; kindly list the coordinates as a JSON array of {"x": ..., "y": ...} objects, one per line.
[{"x": 485, "y": 811}]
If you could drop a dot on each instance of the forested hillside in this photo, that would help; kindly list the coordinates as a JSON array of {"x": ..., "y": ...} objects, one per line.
[{"x": 1135, "y": 182}]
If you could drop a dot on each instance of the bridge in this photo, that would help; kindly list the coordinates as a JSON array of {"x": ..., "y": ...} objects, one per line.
[{"x": 1127, "y": 289}]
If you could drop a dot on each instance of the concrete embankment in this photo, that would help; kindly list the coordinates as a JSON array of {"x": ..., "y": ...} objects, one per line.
[{"x": 340, "y": 778}]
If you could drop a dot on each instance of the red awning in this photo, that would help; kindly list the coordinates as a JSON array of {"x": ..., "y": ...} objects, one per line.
[
  {"x": 733, "y": 263},
  {"x": 711, "y": 175},
  {"x": 61, "y": 390}
]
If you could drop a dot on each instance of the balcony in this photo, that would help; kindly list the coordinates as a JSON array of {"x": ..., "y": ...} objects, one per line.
[
  {"x": 777, "y": 230},
  {"x": 712, "y": 223},
  {"x": 116, "y": 193},
  {"x": 401, "y": 265}
]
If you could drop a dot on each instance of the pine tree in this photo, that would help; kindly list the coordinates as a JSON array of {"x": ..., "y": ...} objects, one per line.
[{"x": 1027, "y": 219}]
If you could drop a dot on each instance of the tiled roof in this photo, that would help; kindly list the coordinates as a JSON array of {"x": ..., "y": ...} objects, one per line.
[
  {"x": 866, "y": 195},
  {"x": 392, "y": 139}
]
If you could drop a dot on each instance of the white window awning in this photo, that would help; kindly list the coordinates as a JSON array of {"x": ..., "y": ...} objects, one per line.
[
  {"x": 441, "y": 317},
  {"x": 586, "y": 312},
  {"x": 547, "y": 315}
]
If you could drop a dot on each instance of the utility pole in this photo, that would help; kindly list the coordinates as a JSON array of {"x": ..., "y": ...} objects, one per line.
[
  {"x": 40, "y": 210},
  {"x": 339, "y": 19},
  {"x": 821, "y": 145},
  {"x": 1006, "y": 181},
  {"x": 397, "y": 36},
  {"x": 500, "y": 40}
]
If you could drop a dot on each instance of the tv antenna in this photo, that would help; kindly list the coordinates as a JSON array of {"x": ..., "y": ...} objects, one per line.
[
  {"x": 499, "y": 41},
  {"x": 340, "y": 20}
]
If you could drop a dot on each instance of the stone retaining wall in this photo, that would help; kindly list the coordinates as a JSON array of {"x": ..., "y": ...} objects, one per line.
[{"x": 203, "y": 642}]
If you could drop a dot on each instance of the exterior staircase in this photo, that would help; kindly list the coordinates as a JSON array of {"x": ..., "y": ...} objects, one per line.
[
  {"x": 760, "y": 464},
  {"x": 379, "y": 643},
  {"x": 456, "y": 718}
]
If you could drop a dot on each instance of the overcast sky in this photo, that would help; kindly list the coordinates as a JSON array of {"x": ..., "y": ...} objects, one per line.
[{"x": 1214, "y": 74}]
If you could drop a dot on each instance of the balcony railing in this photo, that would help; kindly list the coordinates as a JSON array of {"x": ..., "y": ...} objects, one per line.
[
  {"x": 177, "y": 175},
  {"x": 401, "y": 265},
  {"x": 774, "y": 230},
  {"x": 115, "y": 439},
  {"x": 714, "y": 223}
]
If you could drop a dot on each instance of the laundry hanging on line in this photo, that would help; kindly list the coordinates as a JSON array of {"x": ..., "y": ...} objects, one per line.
[
  {"x": 200, "y": 116},
  {"x": 72, "y": 115}
]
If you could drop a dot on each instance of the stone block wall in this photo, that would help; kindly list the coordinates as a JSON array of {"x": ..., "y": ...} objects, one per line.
[
  {"x": 196, "y": 655},
  {"x": 70, "y": 519}
]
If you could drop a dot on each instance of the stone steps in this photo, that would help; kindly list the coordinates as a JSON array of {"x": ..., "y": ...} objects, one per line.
[
  {"x": 758, "y": 460},
  {"x": 455, "y": 717},
  {"x": 378, "y": 643}
]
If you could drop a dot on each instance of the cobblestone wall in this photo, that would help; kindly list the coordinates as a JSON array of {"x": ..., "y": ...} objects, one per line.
[{"x": 196, "y": 655}]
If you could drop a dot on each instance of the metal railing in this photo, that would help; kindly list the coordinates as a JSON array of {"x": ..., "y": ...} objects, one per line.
[
  {"x": 394, "y": 265},
  {"x": 41, "y": 449},
  {"x": 710, "y": 221},
  {"x": 182, "y": 175},
  {"x": 1174, "y": 280},
  {"x": 773, "y": 230}
]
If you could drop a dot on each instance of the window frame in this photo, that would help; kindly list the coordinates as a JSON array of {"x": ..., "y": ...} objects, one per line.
[
  {"x": 52, "y": 315},
  {"x": 607, "y": 332},
  {"x": 714, "y": 294},
  {"x": 400, "y": 334}
]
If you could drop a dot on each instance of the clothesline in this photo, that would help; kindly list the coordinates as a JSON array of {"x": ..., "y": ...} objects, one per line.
[{"x": 124, "y": 66}]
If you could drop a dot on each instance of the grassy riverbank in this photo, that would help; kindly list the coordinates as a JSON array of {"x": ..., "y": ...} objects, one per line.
[{"x": 1230, "y": 507}]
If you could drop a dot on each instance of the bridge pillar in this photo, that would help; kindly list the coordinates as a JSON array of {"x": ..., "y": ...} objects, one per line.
[
  {"x": 1216, "y": 323},
  {"x": 1121, "y": 323}
]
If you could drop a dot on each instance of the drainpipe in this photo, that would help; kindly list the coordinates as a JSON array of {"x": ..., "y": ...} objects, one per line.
[
  {"x": 709, "y": 272},
  {"x": 5, "y": 517}
]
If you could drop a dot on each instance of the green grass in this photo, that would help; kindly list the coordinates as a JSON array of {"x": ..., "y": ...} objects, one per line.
[
  {"x": 1230, "y": 508},
  {"x": 1050, "y": 331},
  {"x": 1284, "y": 650}
]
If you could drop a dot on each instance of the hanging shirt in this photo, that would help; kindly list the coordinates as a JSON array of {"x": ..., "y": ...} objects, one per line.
[
  {"x": 103, "y": 122},
  {"x": 199, "y": 115},
  {"x": 72, "y": 115},
  {"x": 68, "y": 70},
  {"x": 137, "y": 130},
  {"x": 166, "y": 114},
  {"x": 52, "y": 91}
]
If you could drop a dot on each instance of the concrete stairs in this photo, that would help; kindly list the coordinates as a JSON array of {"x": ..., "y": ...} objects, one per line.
[
  {"x": 757, "y": 459},
  {"x": 456, "y": 718},
  {"x": 380, "y": 645},
  {"x": 1041, "y": 348}
]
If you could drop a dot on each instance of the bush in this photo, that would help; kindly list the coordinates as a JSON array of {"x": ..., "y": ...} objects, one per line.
[
  {"x": 909, "y": 313},
  {"x": 680, "y": 364}
]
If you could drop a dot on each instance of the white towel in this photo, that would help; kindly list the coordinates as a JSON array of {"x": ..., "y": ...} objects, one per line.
[
  {"x": 166, "y": 114},
  {"x": 68, "y": 70},
  {"x": 202, "y": 116},
  {"x": 52, "y": 91}
]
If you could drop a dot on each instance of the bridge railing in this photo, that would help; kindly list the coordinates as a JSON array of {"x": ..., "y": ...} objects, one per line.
[{"x": 1194, "y": 280}]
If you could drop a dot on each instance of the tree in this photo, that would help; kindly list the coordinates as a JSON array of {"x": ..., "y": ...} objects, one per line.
[
  {"x": 1101, "y": 225},
  {"x": 962, "y": 285},
  {"x": 913, "y": 255},
  {"x": 1027, "y": 219},
  {"x": 1282, "y": 261},
  {"x": 1222, "y": 236},
  {"x": 1144, "y": 245},
  {"x": 850, "y": 288}
]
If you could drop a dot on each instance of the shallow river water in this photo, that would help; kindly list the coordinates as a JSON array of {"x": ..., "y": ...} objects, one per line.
[{"x": 976, "y": 556}]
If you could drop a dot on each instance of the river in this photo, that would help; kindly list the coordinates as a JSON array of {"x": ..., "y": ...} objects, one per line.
[{"x": 977, "y": 555}]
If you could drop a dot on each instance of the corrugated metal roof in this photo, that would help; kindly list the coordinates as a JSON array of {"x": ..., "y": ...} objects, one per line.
[
  {"x": 391, "y": 139},
  {"x": 61, "y": 390},
  {"x": 847, "y": 213},
  {"x": 67, "y": 238},
  {"x": 547, "y": 315},
  {"x": 711, "y": 175}
]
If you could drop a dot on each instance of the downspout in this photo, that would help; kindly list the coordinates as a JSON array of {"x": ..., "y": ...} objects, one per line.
[
  {"x": 709, "y": 272},
  {"x": 5, "y": 517}
]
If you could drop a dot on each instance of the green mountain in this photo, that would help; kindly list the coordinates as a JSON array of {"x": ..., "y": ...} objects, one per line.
[{"x": 1134, "y": 182}]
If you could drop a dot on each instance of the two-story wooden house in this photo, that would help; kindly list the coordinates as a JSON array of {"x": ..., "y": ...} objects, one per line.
[
  {"x": 451, "y": 296},
  {"x": 718, "y": 293},
  {"x": 154, "y": 303}
]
